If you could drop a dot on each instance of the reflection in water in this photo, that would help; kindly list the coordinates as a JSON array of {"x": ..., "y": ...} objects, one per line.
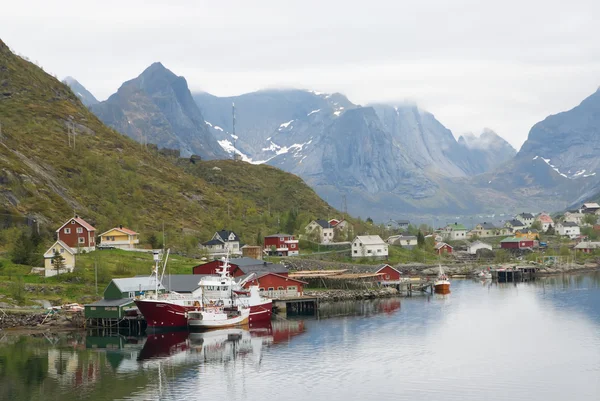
[{"x": 529, "y": 341}]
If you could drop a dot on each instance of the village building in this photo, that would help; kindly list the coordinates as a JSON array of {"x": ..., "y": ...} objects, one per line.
[
  {"x": 369, "y": 246},
  {"x": 473, "y": 247},
  {"x": 545, "y": 220},
  {"x": 514, "y": 225},
  {"x": 275, "y": 285},
  {"x": 119, "y": 237},
  {"x": 528, "y": 233},
  {"x": 590, "y": 208},
  {"x": 485, "y": 230},
  {"x": 405, "y": 241},
  {"x": 64, "y": 251},
  {"x": 517, "y": 243},
  {"x": 574, "y": 217},
  {"x": 400, "y": 224},
  {"x": 587, "y": 247},
  {"x": 454, "y": 232},
  {"x": 568, "y": 229},
  {"x": 223, "y": 243},
  {"x": 77, "y": 234},
  {"x": 241, "y": 266},
  {"x": 526, "y": 218},
  {"x": 252, "y": 251},
  {"x": 385, "y": 274},
  {"x": 322, "y": 229},
  {"x": 442, "y": 248},
  {"x": 281, "y": 245}
]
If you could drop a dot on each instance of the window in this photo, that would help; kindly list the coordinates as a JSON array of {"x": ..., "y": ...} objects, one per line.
[
  {"x": 279, "y": 288},
  {"x": 261, "y": 289},
  {"x": 93, "y": 308},
  {"x": 67, "y": 231},
  {"x": 369, "y": 251},
  {"x": 271, "y": 288},
  {"x": 387, "y": 276},
  {"x": 81, "y": 240},
  {"x": 379, "y": 251},
  {"x": 79, "y": 230},
  {"x": 355, "y": 251},
  {"x": 62, "y": 250},
  {"x": 292, "y": 288},
  {"x": 72, "y": 221}
]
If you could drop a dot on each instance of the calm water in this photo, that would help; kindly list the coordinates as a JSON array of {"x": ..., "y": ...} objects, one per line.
[{"x": 536, "y": 341}]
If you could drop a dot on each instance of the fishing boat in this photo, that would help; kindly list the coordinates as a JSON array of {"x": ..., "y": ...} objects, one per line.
[
  {"x": 169, "y": 310},
  {"x": 442, "y": 282},
  {"x": 217, "y": 317}
]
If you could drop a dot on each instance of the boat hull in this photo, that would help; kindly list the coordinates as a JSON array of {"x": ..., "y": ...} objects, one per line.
[
  {"x": 166, "y": 315},
  {"x": 208, "y": 323},
  {"x": 442, "y": 288}
]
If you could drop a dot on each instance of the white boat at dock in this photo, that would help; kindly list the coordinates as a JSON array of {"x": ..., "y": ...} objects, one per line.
[{"x": 216, "y": 317}]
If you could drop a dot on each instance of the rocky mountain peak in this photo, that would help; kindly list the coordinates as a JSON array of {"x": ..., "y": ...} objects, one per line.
[{"x": 82, "y": 93}]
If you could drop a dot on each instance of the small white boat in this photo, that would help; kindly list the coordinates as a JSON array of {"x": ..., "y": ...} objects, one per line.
[
  {"x": 485, "y": 275},
  {"x": 442, "y": 284},
  {"x": 216, "y": 317}
]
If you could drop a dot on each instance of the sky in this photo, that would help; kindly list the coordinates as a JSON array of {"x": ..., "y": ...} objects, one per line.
[{"x": 503, "y": 65}]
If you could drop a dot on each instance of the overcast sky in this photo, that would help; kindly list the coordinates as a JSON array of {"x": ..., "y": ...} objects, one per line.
[{"x": 474, "y": 64}]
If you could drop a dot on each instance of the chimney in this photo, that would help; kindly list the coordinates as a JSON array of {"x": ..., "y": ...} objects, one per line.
[
  {"x": 76, "y": 216},
  {"x": 121, "y": 226}
]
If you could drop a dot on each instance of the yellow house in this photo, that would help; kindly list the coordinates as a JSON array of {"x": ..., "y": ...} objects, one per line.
[
  {"x": 119, "y": 237},
  {"x": 67, "y": 254},
  {"x": 527, "y": 233}
]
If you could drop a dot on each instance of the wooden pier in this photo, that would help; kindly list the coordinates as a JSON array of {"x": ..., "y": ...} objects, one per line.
[
  {"x": 300, "y": 305},
  {"x": 409, "y": 287},
  {"x": 514, "y": 274}
]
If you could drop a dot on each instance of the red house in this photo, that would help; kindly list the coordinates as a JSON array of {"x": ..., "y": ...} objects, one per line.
[
  {"x": 517, "y": 243},
  {"x": 442, "y": 247},
  {"x": 241, "y": 266},
  {"x": 277, "y": 286},
  {"x": 285, "y": 245},
  {"x": 78, "y": 234},
  {"x": 387, "y": 274}
]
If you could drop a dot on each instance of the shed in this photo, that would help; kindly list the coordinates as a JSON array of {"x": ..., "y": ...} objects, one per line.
[
  {"x": 131, "y": 287},
  {"x": 442, "y": 247},
  {"x": 107, "y": 308}
]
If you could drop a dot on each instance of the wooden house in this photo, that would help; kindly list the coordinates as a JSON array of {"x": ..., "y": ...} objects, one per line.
[
  {"x": 78, "y": 234},
  {"x": 119, "y": 237}
]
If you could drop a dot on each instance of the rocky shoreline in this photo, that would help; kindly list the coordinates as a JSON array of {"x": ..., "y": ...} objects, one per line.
[
  {"x": 351, "y": 295},
  {"x": 15, "y": 320}
]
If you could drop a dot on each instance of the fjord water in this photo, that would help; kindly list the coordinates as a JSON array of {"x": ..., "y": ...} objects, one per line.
[{"x": 530, "y": 341}]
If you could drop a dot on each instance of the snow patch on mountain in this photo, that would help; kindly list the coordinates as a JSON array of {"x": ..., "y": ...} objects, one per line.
[
  {"x": 285, "y": 125},
  {"x": 579, "y": 173},
  {"x": 313, "y": 112}
]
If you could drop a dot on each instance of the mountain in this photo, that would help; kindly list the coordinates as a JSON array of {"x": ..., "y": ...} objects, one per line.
[
  {"x": 84, "y": 95},
  {"x": 486, "y": 151},
  {"x": 157, "y": 107},
  {"x": 559, "y": 160},
  {"x": 385, "y": 159},
  {"x": 57, "y": 158}
]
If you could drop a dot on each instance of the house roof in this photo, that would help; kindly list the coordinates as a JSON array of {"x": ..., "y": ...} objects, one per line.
[
  {"x": 324, "y": 223},
  {"x": 262, "y": 274},
  {"x": 121, "y": 229},
  {"x": 528, "y": 231},
  {"x": 278, "y": 235},
  {"x": 515, "y": 239},
  {"x": 140, "y": 283},
  {"x": 568, "y": 224},
  {"x": 515, "y": 223},
  {"x": 545, "y": 218},
  {"x": 181, "y": 282},
  {"x": 487, "y": 226},
  {"x": 440, "y": 245},
  {"x": 456, "y": 227},
  {"x": 369, "y": 239},
  {"x": 81, "y": 222},
  {"x": 213, "y": 242},
  {"x": 588, "y": 245},
  {"x": 403, "y": 222},
  {"x": 526, "y": 215},
  {"x": 224, "y": 234},
  {"x": 111, "y": 302},
  {"x": 591, "y": 205},
  {"x": 49, "y": 252}
]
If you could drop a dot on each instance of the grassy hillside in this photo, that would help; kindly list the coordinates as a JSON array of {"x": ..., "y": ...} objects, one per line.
[{"x": 110, "y": 179}]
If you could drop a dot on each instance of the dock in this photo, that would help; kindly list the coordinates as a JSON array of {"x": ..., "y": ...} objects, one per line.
[
  {"x": 300, "y": 304},
  {"x": 514, "y": 274}
]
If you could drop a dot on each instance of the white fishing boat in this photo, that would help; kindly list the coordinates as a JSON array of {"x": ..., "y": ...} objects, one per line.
[
  {"x": 442, "y": 282},
  {"x": 216, "y": 317},
  {"x": 484, "y": 275}
]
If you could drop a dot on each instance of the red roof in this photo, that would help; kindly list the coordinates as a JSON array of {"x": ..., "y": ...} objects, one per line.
[
  {"x": 544, "y": 218},
  {"x": 81, "y": 222},
  {"x": 262, "y": 274}
]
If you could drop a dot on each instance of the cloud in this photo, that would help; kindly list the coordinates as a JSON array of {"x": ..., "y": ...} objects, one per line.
[{"x": 472, "y": 64}]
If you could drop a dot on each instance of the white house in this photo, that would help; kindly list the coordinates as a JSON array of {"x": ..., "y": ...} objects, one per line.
[
  {"x": 473, "y": 247},
  {"x": 514, "y": 225},
  {"x": 369, "y": 246},
  {"x": 574, "y": 217},
  {"x": 324, "y": 228},
  {"x": 568, "y": 229},
  {"x": 591, "y": 207},
  {"x": 526, "y": 218},
  {"x": 406, "y": 241},
  {"x": 545, "y": 220},
  {"x": 222, "y": 243},
  {"x": 66, "y": 252},
  {"x": 454, "y": 232}
]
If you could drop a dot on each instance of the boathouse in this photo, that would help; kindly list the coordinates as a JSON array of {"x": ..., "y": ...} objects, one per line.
[
  {"x": 277, "y": 286},
  {"x": 442, "y": 247},
  {"x": 108, "y": 308},
  {"x": 516, "y": 243},
  {"x": 241, "y": 266}
]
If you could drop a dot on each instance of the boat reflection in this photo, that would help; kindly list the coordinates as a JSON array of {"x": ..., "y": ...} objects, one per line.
[{"x": 353, "y": 308}]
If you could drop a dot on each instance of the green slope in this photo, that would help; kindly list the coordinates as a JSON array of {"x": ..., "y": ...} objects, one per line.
[{"x": 110, "y": 179}]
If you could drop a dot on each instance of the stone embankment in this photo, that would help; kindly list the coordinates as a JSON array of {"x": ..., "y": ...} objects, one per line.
[
  {"x": 40, "y": 321},
  {"x": 347, "y": 295}
]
